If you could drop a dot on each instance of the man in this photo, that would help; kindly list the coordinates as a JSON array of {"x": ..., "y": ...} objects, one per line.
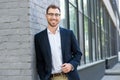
[{"x": 57, "y": 51}]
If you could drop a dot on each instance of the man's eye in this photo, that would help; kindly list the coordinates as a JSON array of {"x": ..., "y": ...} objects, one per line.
[
  {"x": 57, "y": 14},
  {"x": 52, "y": 14}
]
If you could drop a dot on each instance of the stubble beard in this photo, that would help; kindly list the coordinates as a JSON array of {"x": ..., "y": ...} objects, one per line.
[{"x": 52, "y": 25}]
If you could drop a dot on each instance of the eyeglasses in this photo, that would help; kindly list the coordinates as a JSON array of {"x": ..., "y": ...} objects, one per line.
[{"x": 52, "y": 14}]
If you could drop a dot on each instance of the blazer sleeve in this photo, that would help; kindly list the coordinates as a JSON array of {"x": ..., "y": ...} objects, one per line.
[{"x": 76, "y": 53}]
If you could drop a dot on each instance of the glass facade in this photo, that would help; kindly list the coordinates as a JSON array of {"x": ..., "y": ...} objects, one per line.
[
  {"x": 93, "y": 28},
  {"x": 64, "y": 20},
  {"x": 72, "y": 17}
]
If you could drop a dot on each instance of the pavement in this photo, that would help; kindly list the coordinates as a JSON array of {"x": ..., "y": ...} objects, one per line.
[{"x": 112, "y": 74}]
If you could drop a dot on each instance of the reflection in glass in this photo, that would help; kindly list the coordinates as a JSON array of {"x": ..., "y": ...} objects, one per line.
[
  {"x": 85, "y": 5},
  {"x": 73, "y": 19},
  {"x": 63, "y": 14},
  {"x": 73, "y": 2},
  {"x": 86, "y": 37}
]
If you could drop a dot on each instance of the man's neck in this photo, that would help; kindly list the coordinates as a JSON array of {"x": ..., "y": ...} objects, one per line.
[{"x": 52, "y": 29}]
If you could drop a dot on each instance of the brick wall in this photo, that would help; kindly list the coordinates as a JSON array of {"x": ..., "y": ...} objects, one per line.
[
  {"x": 15, "y": 54},
  {"x": 19, "y": 21},
  {"x": 37, "y": 19}
]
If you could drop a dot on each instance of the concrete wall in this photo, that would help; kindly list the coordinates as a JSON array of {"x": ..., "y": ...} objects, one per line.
[
  {"x": 96, "y": 70},
  {"x": 19, "y": 21},
  {"x": 111, "y": 61},
  {"x": 92, "y": 71},
  {"x": 15, "y": 40}
]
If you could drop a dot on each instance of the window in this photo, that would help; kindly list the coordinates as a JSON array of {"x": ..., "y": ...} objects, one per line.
[
  {"x": 86, "y": 38},
  {"x": 73, "y": 21},
  {"x": 64, "y": 16},
  {"x": 92, "y": 26}
]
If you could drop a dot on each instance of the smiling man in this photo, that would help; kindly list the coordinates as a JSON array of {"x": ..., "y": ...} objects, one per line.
[{"x": 57, "y": 51}]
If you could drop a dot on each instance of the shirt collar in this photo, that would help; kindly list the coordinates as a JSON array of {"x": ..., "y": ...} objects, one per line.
[{"x": 58, "y": 29}]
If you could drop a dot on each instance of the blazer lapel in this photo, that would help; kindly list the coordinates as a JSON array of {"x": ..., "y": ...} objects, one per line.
[
  {"x": 47, "y": 44},
  {"x": 62, "y": 41}
]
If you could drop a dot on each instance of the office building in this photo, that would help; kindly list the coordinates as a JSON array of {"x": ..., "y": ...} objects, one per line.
[{"x": 95, "y": 23}]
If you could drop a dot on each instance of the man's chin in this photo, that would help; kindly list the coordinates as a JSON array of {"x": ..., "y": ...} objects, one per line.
[{"x": 53, "y": 25}]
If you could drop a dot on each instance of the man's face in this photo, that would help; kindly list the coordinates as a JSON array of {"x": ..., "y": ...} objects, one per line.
[{"x": 53, "y": 17}]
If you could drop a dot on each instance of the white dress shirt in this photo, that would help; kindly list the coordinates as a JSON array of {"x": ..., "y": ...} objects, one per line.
[{"x": 55, "y": 45}]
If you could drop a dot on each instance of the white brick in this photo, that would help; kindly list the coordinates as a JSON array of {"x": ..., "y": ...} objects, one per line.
[
  {"x": 18, "y": 65},
  {"x": 13, "y": 0},
  {"x": 16, "y": 52},
  {"x": 15, "y": 59},
  {"x": 10, "y": 5},
  {"x": 19, "y": 31},
  {"x": 8, "y": 19},
  {"x": 15, "y": 38},
  {"x": 11, "y": 72},
  {"x": 14, "y": 45},
  {"x": 14, "y": 12},
  {"x": 16, "y": 78},
  {"x": 13, "y": 25}
]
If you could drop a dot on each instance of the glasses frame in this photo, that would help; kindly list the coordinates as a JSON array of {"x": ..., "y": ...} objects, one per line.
[{"x": 54, "y": 14}]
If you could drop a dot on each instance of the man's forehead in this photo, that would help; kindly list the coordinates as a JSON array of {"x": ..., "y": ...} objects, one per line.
[{"x": 55, "y": 9}]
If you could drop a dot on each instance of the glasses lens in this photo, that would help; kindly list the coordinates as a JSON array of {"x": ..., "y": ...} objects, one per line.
[{"x": 52, "y": 14}]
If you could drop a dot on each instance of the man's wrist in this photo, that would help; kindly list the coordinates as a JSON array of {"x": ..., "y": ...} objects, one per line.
[{"x": 72, "y": 68}]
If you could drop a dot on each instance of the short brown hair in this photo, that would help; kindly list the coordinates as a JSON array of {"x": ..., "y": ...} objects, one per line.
[{"x": 52, "y": 6}]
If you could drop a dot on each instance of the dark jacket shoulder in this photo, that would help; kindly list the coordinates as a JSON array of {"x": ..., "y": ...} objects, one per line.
[
  {"x": 43, "y": 32},
  {"x": 40, "y": 33}
]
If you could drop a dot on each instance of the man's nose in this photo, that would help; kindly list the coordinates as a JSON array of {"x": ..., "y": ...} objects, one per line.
[{"x": 54, "y": 17}]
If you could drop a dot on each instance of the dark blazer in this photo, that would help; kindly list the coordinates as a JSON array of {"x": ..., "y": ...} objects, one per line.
[{"x": 70, "y": 51}]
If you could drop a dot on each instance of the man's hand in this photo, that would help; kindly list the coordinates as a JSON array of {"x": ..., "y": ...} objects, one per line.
[{"x": 66, "y": 67}]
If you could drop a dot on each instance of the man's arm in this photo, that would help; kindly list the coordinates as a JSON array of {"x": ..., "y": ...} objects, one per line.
[{"x": 76, "y": 51}]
